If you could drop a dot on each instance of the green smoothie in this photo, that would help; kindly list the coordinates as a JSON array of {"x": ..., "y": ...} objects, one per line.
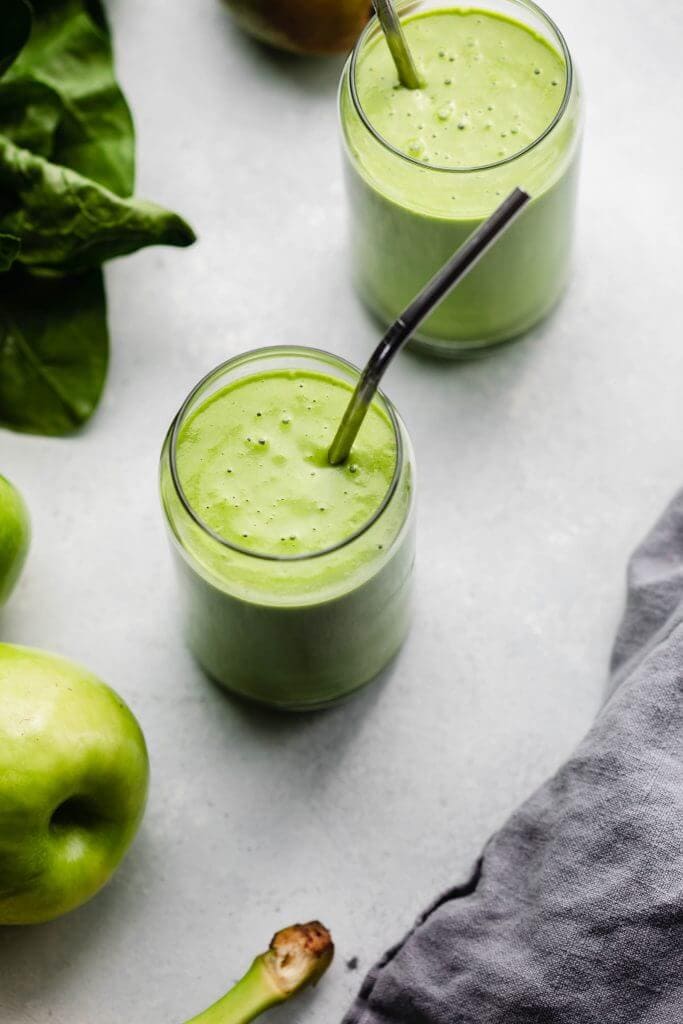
[
  {"x": 295, "y": 574},
  {"x": 252, "y": 461},
  {"x": 499, "y": 108}
]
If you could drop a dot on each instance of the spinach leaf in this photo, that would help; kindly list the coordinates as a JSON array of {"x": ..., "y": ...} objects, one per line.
[
  {"x": 30, "y": 113},
  {"x": 68, "y": 222},
  {"x": 15, "y": 27},
  {"x": 53, "y": 350},
  {"x": 69, "y": 54},
  {"x": 67, "y": 161},
  {"x": 9, "y": 250},
  {"x": 67, "y": 148}
]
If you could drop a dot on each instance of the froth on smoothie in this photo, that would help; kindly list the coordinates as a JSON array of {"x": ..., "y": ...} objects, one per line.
[
  {"x": 252, "y": 460},
  {"x": 492, "y": 87}
]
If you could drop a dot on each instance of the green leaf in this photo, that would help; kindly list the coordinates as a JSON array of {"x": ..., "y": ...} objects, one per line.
[
  {"x": 30, "y": 113},
  {"x": 69, "y": 55},
  {"x": 66, "y": 178},
  {"x": 9, "y": 250},
  {"x": 15, "y": 26},
  {"x": 53, "y": 350},
  {"x": 67, "y": 222}
]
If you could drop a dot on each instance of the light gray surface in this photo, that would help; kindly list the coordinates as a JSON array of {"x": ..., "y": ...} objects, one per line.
[{"x": 539, "y": 469}]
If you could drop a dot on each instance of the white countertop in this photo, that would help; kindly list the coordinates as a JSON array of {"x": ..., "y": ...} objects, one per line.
[{"x": 540, "y": 467}]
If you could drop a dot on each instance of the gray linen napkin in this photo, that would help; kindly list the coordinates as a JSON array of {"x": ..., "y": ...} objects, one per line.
[{"x": 574, "y": 913}]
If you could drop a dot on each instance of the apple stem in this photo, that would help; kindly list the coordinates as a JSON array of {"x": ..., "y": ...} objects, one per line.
[{"x": 297, "y": 957}]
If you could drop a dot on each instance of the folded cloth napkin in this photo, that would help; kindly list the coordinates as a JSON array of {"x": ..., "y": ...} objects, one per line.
[{"x": 574, "y": 913}]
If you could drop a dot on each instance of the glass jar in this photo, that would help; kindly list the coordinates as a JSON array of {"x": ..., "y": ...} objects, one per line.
[
  {"x": 293, "y": 631},
  {"x": 407, "y": 217}
]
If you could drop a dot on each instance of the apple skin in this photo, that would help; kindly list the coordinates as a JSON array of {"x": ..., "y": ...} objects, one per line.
[
  {"x": 73, "y": 784},
  {"x": 303, "y": 26},
  {"x": 15, "y": 535}
]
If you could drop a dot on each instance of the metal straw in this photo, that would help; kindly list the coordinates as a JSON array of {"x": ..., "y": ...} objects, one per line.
[
  {"x": 393, "y": 31},
  {"x": 400, "y": 331}
]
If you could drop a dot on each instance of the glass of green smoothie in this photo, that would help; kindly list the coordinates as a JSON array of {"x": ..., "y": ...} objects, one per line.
[
  {"x": 500, "y": 108},
  {"x": 295, "y": 575}
]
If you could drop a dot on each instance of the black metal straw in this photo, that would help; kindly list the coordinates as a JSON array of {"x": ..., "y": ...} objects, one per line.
[
  {"x": 401, "y": 330},
  {"x": 408, "y": 75}
]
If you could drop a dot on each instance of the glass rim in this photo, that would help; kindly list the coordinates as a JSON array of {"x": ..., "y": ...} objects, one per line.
[
  {"x": 441, "y": 168},
  {"x": 252, "y": 355}
]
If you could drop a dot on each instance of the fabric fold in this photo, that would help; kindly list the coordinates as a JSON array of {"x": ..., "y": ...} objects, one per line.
[{"x": 574, "y": 914}]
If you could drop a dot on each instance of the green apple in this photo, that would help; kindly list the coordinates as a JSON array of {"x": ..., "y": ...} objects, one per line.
[
  {"x": 303, "y": 26},
  {"x": 15, "y": 534},
  {"x": 73, "y": 784}
]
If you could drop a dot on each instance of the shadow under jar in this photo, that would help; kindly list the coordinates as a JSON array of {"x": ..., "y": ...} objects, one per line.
[
  {"x": 500, "y": 108},
  {"x": 295, "y": 576}
]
